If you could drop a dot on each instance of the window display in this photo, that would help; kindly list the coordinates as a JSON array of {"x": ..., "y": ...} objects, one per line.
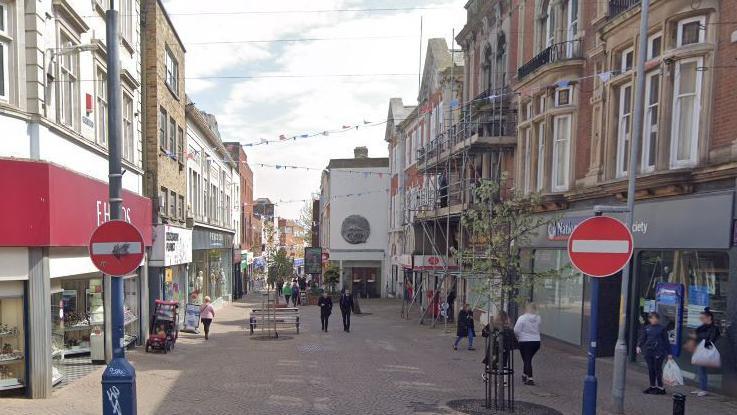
[
  {"x": 559, "y": 299},
  {"x": 57, "y": 337},
  {"x": 131, "y": 310},
  {"x": 210, "y": 274},
  {"x": 83, "y": 313},
  {"x": 12, "y": 367}
]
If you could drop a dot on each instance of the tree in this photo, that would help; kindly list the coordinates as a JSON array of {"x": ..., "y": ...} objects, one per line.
[
  {"x": 332, "y": 277},
  {"x": 305, "y": 221},
  {"x": 280, "y": 266},
  {"x": 502, "y": 221}
]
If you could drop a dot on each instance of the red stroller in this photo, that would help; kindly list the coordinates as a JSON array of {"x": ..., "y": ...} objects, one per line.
[{"x": 164, "y": 326}]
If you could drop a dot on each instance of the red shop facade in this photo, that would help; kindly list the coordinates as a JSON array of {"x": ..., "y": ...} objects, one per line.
[{"x": 52, "y": 299}]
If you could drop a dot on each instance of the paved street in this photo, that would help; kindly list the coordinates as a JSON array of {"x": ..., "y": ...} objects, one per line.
[{"x": 384, "y": 366}]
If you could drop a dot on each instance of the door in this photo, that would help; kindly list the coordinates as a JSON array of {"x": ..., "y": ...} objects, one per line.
[{"x": 365, "y": 282}]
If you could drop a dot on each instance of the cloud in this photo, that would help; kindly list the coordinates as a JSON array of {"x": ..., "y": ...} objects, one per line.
[{"x": 249, "y": 109}]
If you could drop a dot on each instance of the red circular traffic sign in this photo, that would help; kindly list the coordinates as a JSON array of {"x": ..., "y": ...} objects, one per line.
[
  {"x": 600, "y": 246},
  {"x": 116, "y": 248}
]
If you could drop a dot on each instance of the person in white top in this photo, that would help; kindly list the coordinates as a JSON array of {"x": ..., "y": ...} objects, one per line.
[{"x": 527, "y": 330}]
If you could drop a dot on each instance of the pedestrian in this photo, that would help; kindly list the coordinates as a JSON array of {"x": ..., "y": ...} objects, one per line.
[
  {"x": 287, "y": 291},
  {"x": 709, "y": 333},
  {"x": 302, "y": 283},
  {"x": 654, "y": 346},
  {"x": 465, "y": 327},
  {"x": 346, "y": 307},
  {"x": 451, "y": 299},
  {"x": 279, "y": 286},
  {"x": 207, "y": 313},
  {"x": 326, "y": 307},
  {"x": 527, "y": 330},
  {"x": 295, "y": 294}
]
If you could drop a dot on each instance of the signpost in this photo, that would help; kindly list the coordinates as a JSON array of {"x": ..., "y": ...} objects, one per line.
[
  {"x": 116, "y": 248},
  {"x": 598, "y": 247}
]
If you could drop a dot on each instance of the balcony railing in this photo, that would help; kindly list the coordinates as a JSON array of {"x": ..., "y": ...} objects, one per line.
[
  {"x": 554, "y": 53},
  {"x": 620, "y": 6}
]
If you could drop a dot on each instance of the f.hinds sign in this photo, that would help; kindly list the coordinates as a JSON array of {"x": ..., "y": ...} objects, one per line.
[{"x": 46, "y": 205}]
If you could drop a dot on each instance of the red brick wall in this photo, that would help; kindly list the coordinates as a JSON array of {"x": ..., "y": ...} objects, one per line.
[{"x": 724, "y": 105}]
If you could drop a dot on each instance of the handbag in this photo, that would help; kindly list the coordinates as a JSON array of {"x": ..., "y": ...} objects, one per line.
[{"x": 706, "y": 357}]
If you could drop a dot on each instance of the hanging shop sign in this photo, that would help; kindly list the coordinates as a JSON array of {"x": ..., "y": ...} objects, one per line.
[
  {"x": 53, "y": 206},
  {"x": 172, "y": 246},
  {"x": 433, "y": 263}
]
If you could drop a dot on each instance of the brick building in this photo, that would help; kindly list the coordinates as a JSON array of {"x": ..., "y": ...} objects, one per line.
[{"x": 165, "y": 153}]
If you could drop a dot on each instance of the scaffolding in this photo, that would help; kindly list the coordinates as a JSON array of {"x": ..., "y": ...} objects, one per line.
[{"x": 469, "y": 151}]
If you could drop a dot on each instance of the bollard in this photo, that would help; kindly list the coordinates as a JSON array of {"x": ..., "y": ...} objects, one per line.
[
  {"x": 119, "y": 388},
  {"x": 679, "y": 404}
]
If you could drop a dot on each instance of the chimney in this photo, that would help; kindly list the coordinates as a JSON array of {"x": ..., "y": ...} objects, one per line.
[{"x": 360, "y": 153}]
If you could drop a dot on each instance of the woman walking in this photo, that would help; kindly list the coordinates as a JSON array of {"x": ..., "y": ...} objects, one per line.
[
  {"x": 527, "y": 330},
  {"x": 287, "y": 291},
  {"x": 207, "y": 313},
  {"x": 708, "y": 333},
  {"x": 653, "y": 344},
  {"x": 295, "y": 294},
  {"x": 326, "y": 307},
  {"x": 465, "y": 327}
]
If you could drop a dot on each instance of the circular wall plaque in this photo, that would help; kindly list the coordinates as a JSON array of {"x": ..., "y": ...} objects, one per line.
[{"x": 355, "y": 229}]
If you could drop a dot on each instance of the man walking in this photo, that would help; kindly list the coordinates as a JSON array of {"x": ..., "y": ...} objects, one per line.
[
  {"x": 346, "y": 307},
  {"x": 326, "y": 307},
  {"x": 465, "y": 327}
]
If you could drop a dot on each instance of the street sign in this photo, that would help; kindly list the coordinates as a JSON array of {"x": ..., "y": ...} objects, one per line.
[
  {"x": 116, "y": 248},
  {"x": 600, "y": 246}
]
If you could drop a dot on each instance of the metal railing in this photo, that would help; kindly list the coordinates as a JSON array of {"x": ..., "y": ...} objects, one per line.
[
  {"x": 617, "y": 7},
  {"x": 553, "y": 53}
]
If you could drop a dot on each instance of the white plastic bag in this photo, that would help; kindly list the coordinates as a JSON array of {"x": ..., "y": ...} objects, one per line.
[
  {"x": 672, "y": 374},
  {"x": 706, "y": 357}
]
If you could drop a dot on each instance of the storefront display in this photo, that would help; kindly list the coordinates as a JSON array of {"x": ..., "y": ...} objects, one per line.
[
  {"x": 131, "y": 310},
  {"x": 83, "y": 315},
  {"x": 12, "y": 344},
  {"x": 211, "y": 270},
  {"x": 170, "y": 258}
]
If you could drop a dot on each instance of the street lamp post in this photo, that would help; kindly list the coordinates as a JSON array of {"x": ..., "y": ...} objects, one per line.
[{"x": 119, "y": 378}]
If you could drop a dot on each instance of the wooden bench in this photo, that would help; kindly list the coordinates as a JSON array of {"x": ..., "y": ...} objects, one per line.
[{"x": 285, "y": 316}]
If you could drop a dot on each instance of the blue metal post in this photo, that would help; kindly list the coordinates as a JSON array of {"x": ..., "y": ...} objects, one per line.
[
  {"x": 119, "y": 378},
  {"x": 590, "y": 383}
]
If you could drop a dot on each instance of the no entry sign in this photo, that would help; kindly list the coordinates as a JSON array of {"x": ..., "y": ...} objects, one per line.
[
  {"x": 116, "y": 248},
  {"x": 600, "y": 246}
]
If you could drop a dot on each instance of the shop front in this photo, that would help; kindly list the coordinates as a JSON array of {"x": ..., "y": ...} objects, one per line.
[
  {"x": 211, "y": 271},
  {"x": 47, "y": 272},
  {"x": 683, "y": 243},
  {"x": 168, "y": 265}
]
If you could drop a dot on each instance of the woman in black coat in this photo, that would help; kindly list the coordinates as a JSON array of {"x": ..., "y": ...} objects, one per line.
[
  {"x": 326, "y": 307},
  {"x": 465, "y": 327},
  {"x": 709, "y": 333},
  {"x": 653, "y": 344}
]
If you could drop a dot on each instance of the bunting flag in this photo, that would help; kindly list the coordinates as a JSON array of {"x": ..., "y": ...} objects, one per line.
[{"x": 282, "y": 137}]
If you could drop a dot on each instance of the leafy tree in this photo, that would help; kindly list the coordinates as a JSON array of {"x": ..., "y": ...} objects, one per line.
[
  {"x": 503, "y": 220},
  {"x": 332, "y": 277},
  {"x": 280, "y": 266}
]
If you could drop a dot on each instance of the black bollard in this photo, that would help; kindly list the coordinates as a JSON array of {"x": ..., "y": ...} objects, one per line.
[{"x": 679, "y": 404}]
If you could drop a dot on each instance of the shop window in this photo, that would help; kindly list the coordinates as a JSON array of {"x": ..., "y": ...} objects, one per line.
[
  {"x": 690, "y": 31},
  {"x": 131, "y": 310},
  {"x": 12, "y": 343},
  {"x": 560, "y": 297},
  {"x": 704, "y": 276},
  {"x": 652, "y": 112},
  {"x": 624, "y": 129},
  {"x": 80, "y": 305},
  {"x": 561, "y": 152},
  {"x": 686, "y": 109}
]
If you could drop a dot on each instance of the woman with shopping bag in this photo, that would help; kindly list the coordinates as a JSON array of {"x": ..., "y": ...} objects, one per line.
[
  {"x": 706, "y": 354},
  {"x": 653, "y": 344}
]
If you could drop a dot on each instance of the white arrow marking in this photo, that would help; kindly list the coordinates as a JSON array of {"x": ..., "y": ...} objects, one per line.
[
  {"x": 109, "y": 248},
  {"x": 600, "y": 247}
]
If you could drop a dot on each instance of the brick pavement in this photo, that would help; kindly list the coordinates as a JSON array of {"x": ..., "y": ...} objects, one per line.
[{"x": 384, "y": 366}]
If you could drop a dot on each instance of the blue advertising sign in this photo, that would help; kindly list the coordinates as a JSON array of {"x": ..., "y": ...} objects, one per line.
[
  {"x": 192, "y": 318},
  {"x": 669, "y": 304}
]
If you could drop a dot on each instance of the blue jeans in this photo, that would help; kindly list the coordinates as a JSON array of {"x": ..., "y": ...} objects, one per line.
[
  {"x": 470, "y": 339},
  {"x": 703, "y": 378}
]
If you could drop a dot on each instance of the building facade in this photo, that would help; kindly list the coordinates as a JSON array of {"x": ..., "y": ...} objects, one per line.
[
  {"x": 53, "y": 118},
  {"x": 165, "y": 154},
  {"x": 354, "y": 194},
  {"x": 213, "y": 186},
  {"x": 243, "y": 272}
]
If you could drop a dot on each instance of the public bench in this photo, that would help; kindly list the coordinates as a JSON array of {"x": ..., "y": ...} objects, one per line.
[{"x": 279, "y": 317}]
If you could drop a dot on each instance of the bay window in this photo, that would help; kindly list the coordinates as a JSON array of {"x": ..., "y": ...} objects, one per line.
[
  {"x": 654, "y": 45},
  {"x": 547, "y": 25},
  {"x": 624, "y": 128},
  {"x": 652, "y": 111},
  {"x": 572, "y": 25},
  {"x": 561, "y": 152},
  {"x": 5, "y": 41},
  {"x": 101, "y": 106},
  {"x": 686, "y": 108},
  {"x": 540, "y": 156}
]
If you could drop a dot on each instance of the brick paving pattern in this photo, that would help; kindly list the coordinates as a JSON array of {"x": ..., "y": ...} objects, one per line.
[{"x": 386, "y": 365}]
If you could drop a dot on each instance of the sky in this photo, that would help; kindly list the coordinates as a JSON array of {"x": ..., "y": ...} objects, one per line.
[{"x": 244, "y": 85}]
